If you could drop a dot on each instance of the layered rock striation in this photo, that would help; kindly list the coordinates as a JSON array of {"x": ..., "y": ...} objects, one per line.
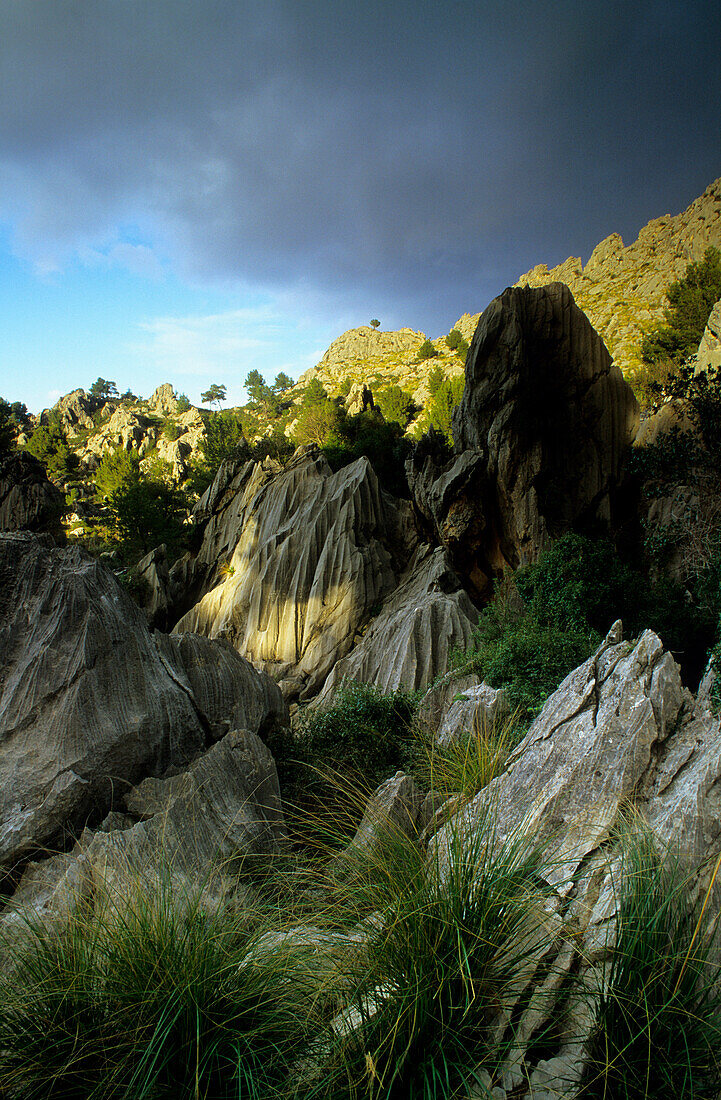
[
  {"x": 309, "y": 553},
  {"x": 90, "y": 701}
]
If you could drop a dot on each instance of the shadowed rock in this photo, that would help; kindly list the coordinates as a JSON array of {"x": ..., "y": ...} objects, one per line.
[
  {"x": 408, "y": 644},
  {"x": 28, "y": 500},
  {"x": 90, "y": 702},
  {"x": 540, "y": 435}
]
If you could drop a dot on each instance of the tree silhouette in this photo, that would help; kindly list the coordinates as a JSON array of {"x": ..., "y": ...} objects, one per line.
[
  {"x": 375, "y": 323},
  {"x": 214, "y": 395}
]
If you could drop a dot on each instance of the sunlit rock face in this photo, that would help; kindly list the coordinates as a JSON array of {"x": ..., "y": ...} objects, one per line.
[
  {"x": 309, "y": 554},
  {"x": 622, "y": 289},
  {"x": 540, "y": 435},
  {"x": 90, "y": 701}
]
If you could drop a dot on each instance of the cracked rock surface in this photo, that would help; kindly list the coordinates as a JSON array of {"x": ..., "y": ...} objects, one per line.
[{"x": 90, "y": 701}]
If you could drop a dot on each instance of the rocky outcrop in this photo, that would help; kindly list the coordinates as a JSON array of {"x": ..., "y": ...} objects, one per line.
[
  {"x": 368, "y": 343},
  {"x": 163, "y": 401},
  {"x": 409, "y": 642},
  {"x": 28, "y": 500},
  {"x": 620, "y": 735},
  {"x": 622, "y": 288},
  {"x": 127, "y": 428},
  {"x": 708, "y": 356},
  {"x": 90, "y": 702},
  {"x": 74, "y": 412},
  {"x": 306, "y": 554},
  {"x": 541, "y": 432}
]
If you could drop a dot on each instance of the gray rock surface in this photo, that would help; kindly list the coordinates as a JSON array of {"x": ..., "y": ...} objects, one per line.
[
  {"x": 620, "y": 735},
  {"x": 393, "y": 810},
  {"x": 90, "y": 701},
  {"x": 28, "y": 500},
  {"x": 310, "y": 553},
  {"x": 476, "y": 709},
  {"x": 540, "y": 436},
  {"x": 187, "y": 834},
  {"x": 408, "y": 643},
  {"x": 153, "y": 571}
]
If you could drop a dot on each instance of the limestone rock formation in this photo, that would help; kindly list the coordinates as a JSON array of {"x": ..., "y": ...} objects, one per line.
[
  {"x": 367, "y": 343},
  {"x": 309, "y": 553},
  {"x": 708, "y": 356},
  {"x": 620, "y": 733},
  {"x": 163, "y": 401},
  {"x": 28, "y": 500},
  {"x": 475, "y": 710},
  {"x": 90, "y": 702},
  {"x": 181, "y": 833},
  {"x": 541, "y": 432},
  {"x": 622, "y": 288},
  {"x": 127, "y": 428},
  {"x": 74, "y": 411},
  {"x": 364, "y": 356},
  {"x": 408, "y": 644}
]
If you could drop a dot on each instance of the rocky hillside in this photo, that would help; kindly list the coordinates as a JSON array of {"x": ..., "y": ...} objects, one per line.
[
  {"x": 382, "y": 359},
  {"x": 622, "y": 287}
]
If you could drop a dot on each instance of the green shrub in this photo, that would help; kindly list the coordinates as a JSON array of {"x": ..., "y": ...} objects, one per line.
[
  {"x": 183, "y": 403},
  {"x": 426, "y": 351},
  {"x": 446, "y": 394},
  {"x": 553, "y": 614},
  {"x": 384, "y": 444},
  {"x": 395, "y": 404},
  {"x": 361, "y": 733},
  {"x": 171, "y": 429},
  {"x": 118, "y": 469},
  {"x": 49, "y": 444},
  {"x": 691, "y": 300},
  {"x": 456, "y": 342}
]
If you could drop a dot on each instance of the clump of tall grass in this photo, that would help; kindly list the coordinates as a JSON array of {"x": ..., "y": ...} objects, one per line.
[
  {"x": 445, "y": 960},
  {"x": 470, "y": 760},
  {"x": 658, "y": 1015},
  {"x": 149, "y": 992}
]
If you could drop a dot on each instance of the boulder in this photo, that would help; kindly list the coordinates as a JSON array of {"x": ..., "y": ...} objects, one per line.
[
  {"x": 186, "y": 834},
  {"x": 90, "y": 702},
  {"x": 477, "y": 708},
  {"x": 540, "y": 436},
  {"x": 393, "y": 811},
  {"x": 28, "y": 500},
  {"x": 305, "y": 552},
  {"x": 409, "y": 642}
]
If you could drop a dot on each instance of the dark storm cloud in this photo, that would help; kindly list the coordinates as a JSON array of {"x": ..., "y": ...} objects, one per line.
[{"x": 427, "y": 151}]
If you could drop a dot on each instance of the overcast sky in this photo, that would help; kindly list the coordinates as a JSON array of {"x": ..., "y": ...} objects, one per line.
[{"x": 191, "y": 189}]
